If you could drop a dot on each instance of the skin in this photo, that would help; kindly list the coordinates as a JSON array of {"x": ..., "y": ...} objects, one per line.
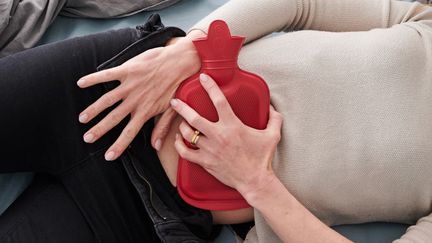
[
  {"x": 230, "y": 150},
  {"x": 169, "y": 160},
  {"x": 137, "y": 81},
  {"x": 146, "y": 93},
  {"x": 147, "y": 83}
]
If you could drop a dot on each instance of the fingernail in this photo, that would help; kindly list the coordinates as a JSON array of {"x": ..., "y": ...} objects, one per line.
[
  {"x": 109, "y": 156},
  {"x": 158, "y": 144},
  {"x": 204, "y": 77},
  {"x": 173, "y": 102},
  {"x": 88, "y": 138},
  {"x": 81, "y": 82},
  {"x": 83, "y": 118}
]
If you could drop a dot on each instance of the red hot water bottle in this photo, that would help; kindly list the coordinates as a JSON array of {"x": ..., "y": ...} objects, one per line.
[{"x": 249, "y": 98}]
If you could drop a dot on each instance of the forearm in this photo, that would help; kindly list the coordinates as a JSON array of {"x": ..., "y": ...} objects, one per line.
[
  {"x": 252, "y": 19},
  {"x": 287, "y": 217},
  {"x": 255, "y": 19}
]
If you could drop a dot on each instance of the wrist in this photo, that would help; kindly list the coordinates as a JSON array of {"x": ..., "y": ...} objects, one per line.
[
  {"x": 269, "y": 193},
  {"x": 183, "y": 47},
  {"x": 186, "y": 59},
  {"x": 258, "y": 188},
  {"x": 186, "y": 41}
]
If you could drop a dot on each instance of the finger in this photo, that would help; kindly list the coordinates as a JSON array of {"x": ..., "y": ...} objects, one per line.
[
  {"x": 107, "y": 123},
  {"x": 187, "y": 153},
  {"x": 105, "y": 101},
  {"x": 187, "y": 133},
  {"x": 219, "y": 100},
  {"x": 162, "y": 128},
  {"x": 191, "y": 116},
  {"x": 103, "y": 76},
  {"x": 125, "y": 138}
]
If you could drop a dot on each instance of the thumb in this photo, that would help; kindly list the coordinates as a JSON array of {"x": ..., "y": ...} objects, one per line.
[
  {"x": 275, "y": 120},
  {"x": 162, "y": 127}
]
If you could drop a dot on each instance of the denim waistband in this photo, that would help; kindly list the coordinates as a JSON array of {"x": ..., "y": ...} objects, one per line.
[{"x": 169, "y": 227}]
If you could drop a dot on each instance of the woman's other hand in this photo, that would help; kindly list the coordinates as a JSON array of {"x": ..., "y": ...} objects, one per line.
[
  {"x": 147, "y": 83},
  {"x": 237, "y": 155}
]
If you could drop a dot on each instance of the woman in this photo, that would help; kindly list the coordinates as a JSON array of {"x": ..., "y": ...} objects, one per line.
[
  {"x": 356, "y": 138},
  {"x": 78, "y": 196},
  {"x": 342, "y": 136}
]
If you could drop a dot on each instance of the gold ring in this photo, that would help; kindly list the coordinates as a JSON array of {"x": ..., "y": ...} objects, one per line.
[{"x": 195, "y": 137}]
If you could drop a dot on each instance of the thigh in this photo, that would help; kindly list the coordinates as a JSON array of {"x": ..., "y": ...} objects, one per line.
[
  {"x": 44, "y": 213},
  {"x": 109, "y": 201},
  {"x": 92, "y": 202},
  {"x": 40, "y": 101}
]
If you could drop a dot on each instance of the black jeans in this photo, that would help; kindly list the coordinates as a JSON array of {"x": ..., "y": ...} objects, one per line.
[{"x": 78, "y": 196}]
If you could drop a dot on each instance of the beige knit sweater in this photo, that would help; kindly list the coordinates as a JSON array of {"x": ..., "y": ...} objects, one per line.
[{"x": 355, "y": 89}]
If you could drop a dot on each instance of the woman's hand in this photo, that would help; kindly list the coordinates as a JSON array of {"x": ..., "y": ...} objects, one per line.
[
  {"x": 240, "y": 157},
  {"x": 147, "y": 83},
  {"x": 237, "y": 155}
]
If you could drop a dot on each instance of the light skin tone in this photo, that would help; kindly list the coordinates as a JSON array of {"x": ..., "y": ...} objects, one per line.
[
  {"x": 246, "y": 151},
  {"x": 147, "y": 83},
  {"x": 230, "y": 150}
]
